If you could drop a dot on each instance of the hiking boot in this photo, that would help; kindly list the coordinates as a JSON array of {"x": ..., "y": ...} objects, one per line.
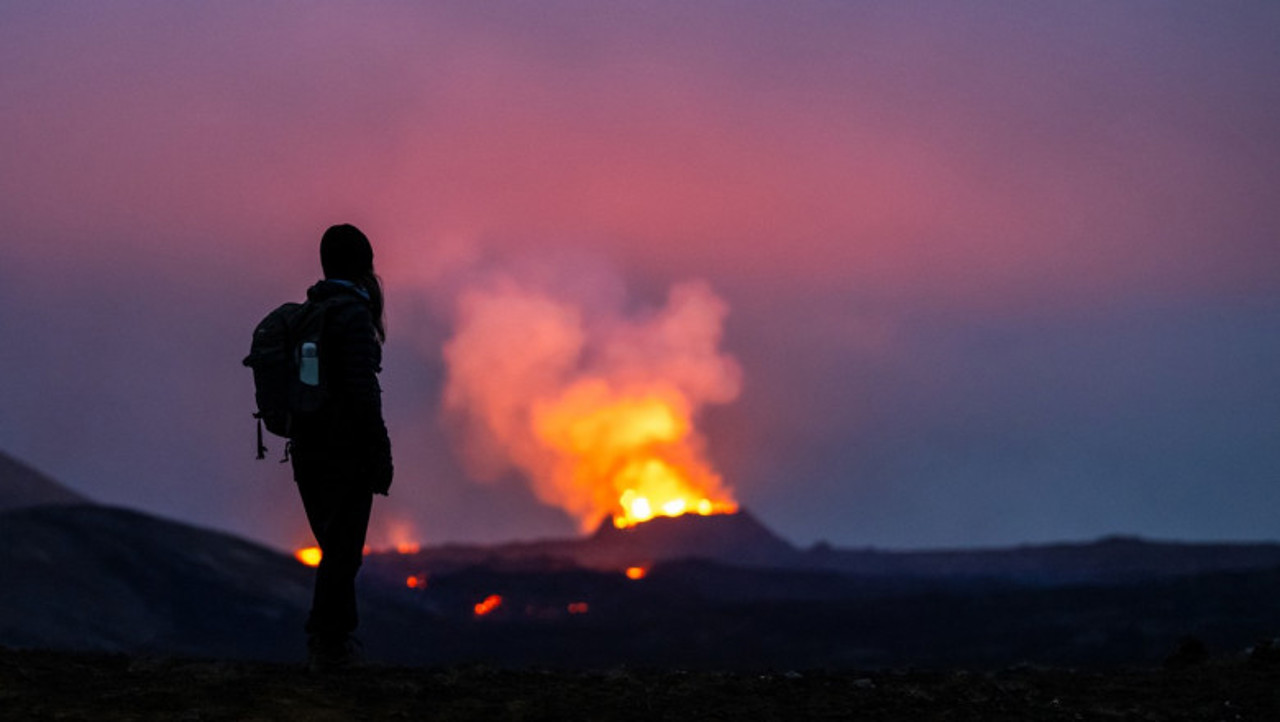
[{"x": 330, "y": 654}]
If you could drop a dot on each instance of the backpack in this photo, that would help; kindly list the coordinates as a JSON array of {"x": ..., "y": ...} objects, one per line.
[{"x": 288, "y": 382}]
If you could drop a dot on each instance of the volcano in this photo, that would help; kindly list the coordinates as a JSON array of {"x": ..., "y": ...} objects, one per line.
[{"x": 738, "y": 539}]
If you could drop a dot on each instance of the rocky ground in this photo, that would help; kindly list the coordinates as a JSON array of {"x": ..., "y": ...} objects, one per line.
[{"x": 65, "y": 686}]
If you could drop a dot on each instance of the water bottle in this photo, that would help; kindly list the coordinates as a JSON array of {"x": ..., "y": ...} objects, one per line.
[{"x": 309, "y": 365}]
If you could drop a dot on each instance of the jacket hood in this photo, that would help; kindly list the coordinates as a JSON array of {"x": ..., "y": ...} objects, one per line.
[{"x": 330, "y": 288}]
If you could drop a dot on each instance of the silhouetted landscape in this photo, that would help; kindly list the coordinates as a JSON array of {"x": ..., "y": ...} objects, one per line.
[
  {"x": 108, "y": 613},
  {"x": 714, "y": 593},
  {"x": 721, "y": 360}
]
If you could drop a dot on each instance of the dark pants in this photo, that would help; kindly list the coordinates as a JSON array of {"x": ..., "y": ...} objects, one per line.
[{"x": 339, "y": 518}]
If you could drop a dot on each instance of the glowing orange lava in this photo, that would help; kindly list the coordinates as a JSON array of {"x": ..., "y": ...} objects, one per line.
[
  {"x": 417, "y": 581},
  {"x": 630, "y": 455},
  {"x": 308, "y": 555},
  {"x": 490, "y": 603},
  {"x": 637, "y": 572}
]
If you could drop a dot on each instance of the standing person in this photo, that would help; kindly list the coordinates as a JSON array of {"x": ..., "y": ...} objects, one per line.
[{"x": 342, "y": 454}]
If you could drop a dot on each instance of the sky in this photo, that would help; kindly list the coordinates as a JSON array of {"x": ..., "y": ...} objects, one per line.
[{"x": 991, "y": 273}]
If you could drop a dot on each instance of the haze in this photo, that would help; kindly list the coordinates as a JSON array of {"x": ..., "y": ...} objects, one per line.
[{"x": 995, "y": 272}]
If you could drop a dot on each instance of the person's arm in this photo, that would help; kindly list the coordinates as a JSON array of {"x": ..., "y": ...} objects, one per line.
[{"x": 361, "y": 361}]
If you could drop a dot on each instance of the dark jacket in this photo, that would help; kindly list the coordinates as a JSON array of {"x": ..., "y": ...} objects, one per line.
[{"x": 345, "y": 442}]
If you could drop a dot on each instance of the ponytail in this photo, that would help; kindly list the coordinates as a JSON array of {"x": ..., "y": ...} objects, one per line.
[{"x": 372, "y": 285}]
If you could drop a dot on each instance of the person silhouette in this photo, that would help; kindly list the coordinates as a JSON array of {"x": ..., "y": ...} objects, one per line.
[{"x": 341, "y": 454}]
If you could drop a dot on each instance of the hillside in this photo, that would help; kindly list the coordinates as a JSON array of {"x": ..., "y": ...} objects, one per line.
[
  {"x": 106, "y": 579},
  {"x": 22, "y": 486}
]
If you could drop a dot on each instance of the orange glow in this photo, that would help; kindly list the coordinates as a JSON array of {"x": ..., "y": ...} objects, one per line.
[
  {"x": 579, "y": 608},
  {"x": 308, "y": 555},
  {"x": 402, "y": 537},
  {"x": 417, "y": 581},
  {"x": 629, "y": 455},
  {"x": 598, "y": 408},
  {"x": 490, "y": 603},
  {"x": 637, "y": 572}
]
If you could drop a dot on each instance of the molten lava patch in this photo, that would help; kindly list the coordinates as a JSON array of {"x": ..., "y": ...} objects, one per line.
[
  {"x": 490, "y": 603},
  {"x": 636, "y": 509},
  {"x": 308, "y": 555}
]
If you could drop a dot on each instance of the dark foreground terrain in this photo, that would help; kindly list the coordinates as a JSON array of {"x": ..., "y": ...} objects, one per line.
[{"x": 60, "y": 685}]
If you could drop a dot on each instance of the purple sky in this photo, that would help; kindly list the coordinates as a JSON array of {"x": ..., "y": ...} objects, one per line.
[{"x": 997, "y": 272}]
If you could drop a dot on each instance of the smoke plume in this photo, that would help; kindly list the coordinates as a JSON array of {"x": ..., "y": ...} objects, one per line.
[{"x": 594, "y": 405}]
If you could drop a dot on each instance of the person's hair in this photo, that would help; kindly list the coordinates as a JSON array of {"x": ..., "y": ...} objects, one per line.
[{"x": 346, "y": 254}]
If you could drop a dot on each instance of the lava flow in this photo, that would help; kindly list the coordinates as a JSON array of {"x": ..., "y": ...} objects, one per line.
[{"x": 490, "y": 603}]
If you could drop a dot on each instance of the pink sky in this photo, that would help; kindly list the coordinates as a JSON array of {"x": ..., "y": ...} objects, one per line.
[{"x": 996, "y": 273}]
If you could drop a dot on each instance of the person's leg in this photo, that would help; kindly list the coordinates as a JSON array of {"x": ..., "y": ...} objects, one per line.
[{"x": 339, "y": 518}]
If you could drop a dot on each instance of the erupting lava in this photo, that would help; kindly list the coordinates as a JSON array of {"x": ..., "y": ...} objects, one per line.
[
  {"x": 594, "y": 405},
  {"x": 631, "y": 454}
]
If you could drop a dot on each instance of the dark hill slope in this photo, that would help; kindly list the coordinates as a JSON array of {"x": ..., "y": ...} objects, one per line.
[
  {"x": 107, "y": 579},
  {"x": 23, "y": 486}
]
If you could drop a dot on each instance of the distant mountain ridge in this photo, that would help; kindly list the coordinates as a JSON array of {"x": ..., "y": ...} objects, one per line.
[
  {"x": 741, "y": 540},
  {"x": 1109, "y": 560},
  {"x": 22, "y": 486}
]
